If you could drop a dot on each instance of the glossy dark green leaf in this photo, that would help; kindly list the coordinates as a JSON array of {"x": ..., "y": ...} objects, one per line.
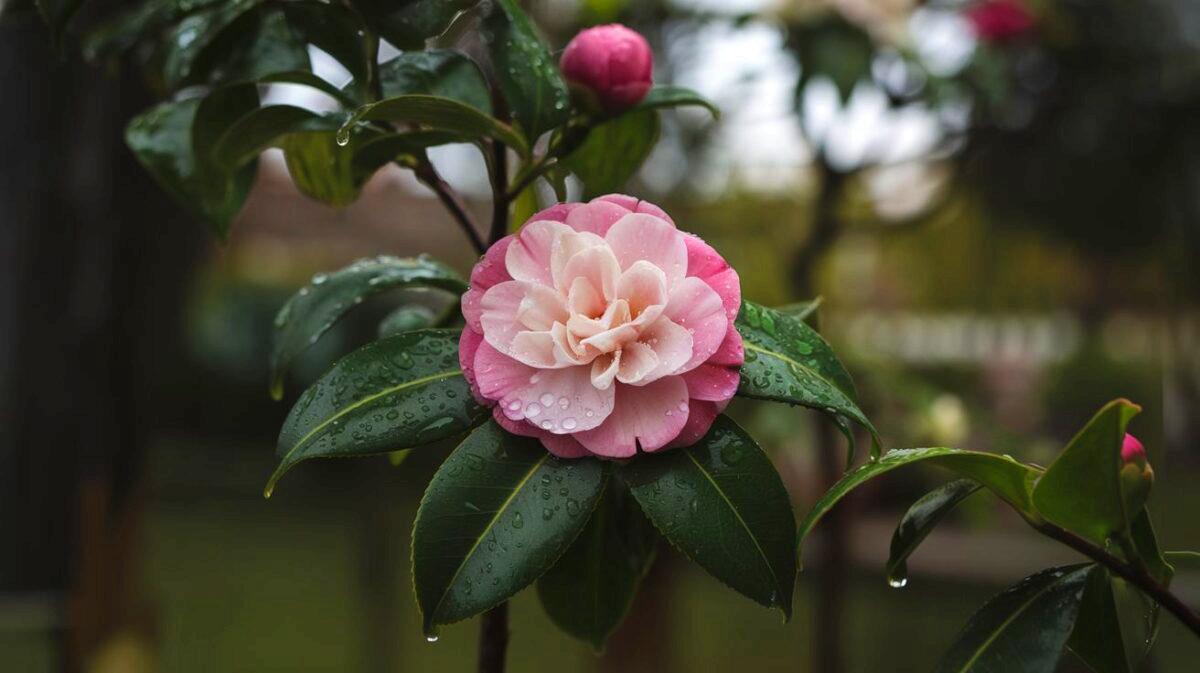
[
  {"x": 497, "y": 515},
  {"x": 666, "y": 96},
  {"x": 318, "y": 305},
  {"x": 442, "y": 114},
  {"x": 1025, "y": 628},
  {"x": 920, "y": 519},
  {"x": 161, "y": 139},
  {"x": 437, "y": 72},
  {"x": 1138, "y": 616},
  {"x": 264, "y": 127},
  {"x": 58, "y": 14},
  {"x": 408, "y": 23},
  {"x": 722, "y": 503},
  {"x": 268, "y": 44},
  {"x": 1010, "y": 480},
  {"x": 525, "y": 70},
  {"x": 333, "y": 28},
  {"x": 1081, "y": 490},
  {"x": 405, "y": 319},
  {"x": 185, "y": 46},
  {"x": 123, "y": 29},
  {"x": 1097, "y": 636},
  {"x": 589, "y": 590},
  {"x": 613, "y": 151},
  {"x": 398, "y": 393},
  {"x": 788, "y": 361}
]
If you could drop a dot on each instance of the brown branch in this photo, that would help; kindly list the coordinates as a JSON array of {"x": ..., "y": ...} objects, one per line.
[
  {"x": 500, "y": 198},
  {"x": 429, "y": 176},
  {"x": 493, "y": 639},
  {"x": 1134, "y": 574}
]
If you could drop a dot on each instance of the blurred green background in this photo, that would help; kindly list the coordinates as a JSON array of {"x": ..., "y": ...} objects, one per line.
[{"x": 1002, "y": 220}]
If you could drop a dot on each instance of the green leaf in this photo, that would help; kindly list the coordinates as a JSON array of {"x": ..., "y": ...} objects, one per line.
[
  {"x": 1190, "y": 559},
  {"x": 788, "y": 361},
  {"x": 833, "y": 47},
  {"x": 398, "y": 393},
  {"x": 397, "y": 458},
  {"x": 802, "y": 310},
  {"x": 321, "y": 303},
  {"x": 1081, "y": 490},
  {"x": 335, "y": 29},
  {"x": 497, "y": 515},
  {"x": 1145, "y": 542},
  {"x": 58, "y": 14},
  {"x": 405, "y": 319},
  {"x": 589, "y": 590},
  {"x": 437, "y": 72},
  {"x": 1097, "y": 636},
  {"x": 308, "y": 79},
  {"x": 124, "y": 29},
  {"x": 920, "y": 519},
  {"x": 664, "y": 96},
  {"x": 187, "y": 45},
  {"x": 161, "y": 139},
  {"x": 246, "y": 138},
  {"x": 441, "y": 114},
  {"x": 1025, "y": 628},
  {"x": 405, "y": 148},
  {"x": 613, "y": 151},
  {"x": 525, "y": 70},
  {"x": 722, "y": 503},
  {"x": 269, "y": 44},
  {"x": 321, "y": 168},
  {"x": 408, "y": 23},
  {"x": 1010, "y": 480}
]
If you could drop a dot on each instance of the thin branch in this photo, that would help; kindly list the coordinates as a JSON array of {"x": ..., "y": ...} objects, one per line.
[
  {"x": 500, "y": 198},
  {"x": 527, "y": 177},
  {"x": 429, "y": 176},
  {"x": 493, "y": 639},
  {"x": 1135, "y": 575}
]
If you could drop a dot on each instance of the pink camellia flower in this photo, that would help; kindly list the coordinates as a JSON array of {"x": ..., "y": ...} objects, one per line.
[
  {"x": 600, "y": 328},
  {"x": 612, "y": 63},
  {"x": 1000, "y": 20},
  {"x": 1132, "y": 450}
]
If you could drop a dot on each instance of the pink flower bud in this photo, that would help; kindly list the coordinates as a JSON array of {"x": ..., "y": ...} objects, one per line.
[
  {"x": 612, "y": 63},
  {"x": 1132, "y": 450},
  {"x": 1000, "y": 20}
]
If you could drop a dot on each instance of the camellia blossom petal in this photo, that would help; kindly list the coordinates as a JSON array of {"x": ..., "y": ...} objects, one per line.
[{"x": 601, "y": 329}]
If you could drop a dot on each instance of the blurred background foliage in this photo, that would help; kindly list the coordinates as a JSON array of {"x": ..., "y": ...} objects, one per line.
[{"x": 997, "y": 200}]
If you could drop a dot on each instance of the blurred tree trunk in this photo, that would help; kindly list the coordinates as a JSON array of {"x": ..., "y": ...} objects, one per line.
[
  {"x": 831, "y": 569},
  {"x": 90, "y": 271}
]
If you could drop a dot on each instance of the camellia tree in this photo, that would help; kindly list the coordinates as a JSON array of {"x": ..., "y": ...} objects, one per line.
[{"x": 597, "y": 344}]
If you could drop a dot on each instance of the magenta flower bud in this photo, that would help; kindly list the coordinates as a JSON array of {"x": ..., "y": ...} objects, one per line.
[
  {"x": 612, "y": 65},
  {"x": 1132, "y": 450},
  {"x": 1136, "y": 474},
  {"x": 1000, "y": 20}
]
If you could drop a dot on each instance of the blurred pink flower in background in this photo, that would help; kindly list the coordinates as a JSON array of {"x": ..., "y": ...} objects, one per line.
[
  {"x": 611, "y": 63},
  {"x": 1000, "y": 20},
  {"x": 600, "y": 328}
]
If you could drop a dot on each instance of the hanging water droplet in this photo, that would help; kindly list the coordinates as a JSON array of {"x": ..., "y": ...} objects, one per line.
[
  {"x": 342, "y": 139},
  {"x": 897, "y": 582},
  {"x": 431, "y": 638}
]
